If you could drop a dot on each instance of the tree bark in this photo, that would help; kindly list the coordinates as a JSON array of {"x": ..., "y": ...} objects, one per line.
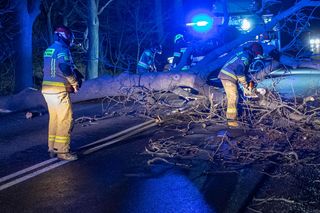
[{"x": 93, "y": 36}]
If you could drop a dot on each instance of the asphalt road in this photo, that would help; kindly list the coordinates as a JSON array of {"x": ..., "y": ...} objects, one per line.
[{"x": 114, "y": 179}]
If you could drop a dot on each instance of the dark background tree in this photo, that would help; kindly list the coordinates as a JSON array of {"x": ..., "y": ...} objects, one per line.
[
  {"x": 8, "y": 31},
  {"x": 27, "y": 12}
]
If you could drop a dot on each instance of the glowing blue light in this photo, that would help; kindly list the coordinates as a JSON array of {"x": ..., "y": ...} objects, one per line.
[
  {"x": 246, "y": 25},
  {"x": 201, "y": 22}
]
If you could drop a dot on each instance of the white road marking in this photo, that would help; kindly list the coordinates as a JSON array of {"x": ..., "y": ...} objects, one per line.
[
  {"x": 8, "y": 177},
  {"x": 31, "y": 175},
  {"x": 116, "y": 138}
]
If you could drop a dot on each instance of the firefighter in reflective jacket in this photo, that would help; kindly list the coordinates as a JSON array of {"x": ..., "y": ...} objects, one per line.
[
  {"x": 180, "y": 47},
  {"x": 59, "y": 81},
  {"x": 234, "y": 72},
  {"x": 147, "y": 60}
]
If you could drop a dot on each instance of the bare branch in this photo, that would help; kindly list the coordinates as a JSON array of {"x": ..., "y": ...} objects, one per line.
[{"x": 104, "y": 7}]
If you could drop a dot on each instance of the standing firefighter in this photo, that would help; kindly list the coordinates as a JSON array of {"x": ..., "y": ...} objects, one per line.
[
  {"x": 234, "y": 72},
  {"x": 59, "y": 80},
  {"x": 180, "y": 47},
  {"x": 147, "y": 60}
]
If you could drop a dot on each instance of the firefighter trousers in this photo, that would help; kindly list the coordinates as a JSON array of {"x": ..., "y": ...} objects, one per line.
[
  {"x": 60, "y": 121},
  {"x": 231, "y": 90}
]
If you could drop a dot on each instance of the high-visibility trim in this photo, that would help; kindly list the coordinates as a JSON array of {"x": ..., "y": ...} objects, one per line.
[
  {"x": 66, "y": 56},
  {"x": 197, "y": 59},
  {"x": 231, "y": 110},
  {"x": 245, "y": 60},
  {"x": 184, "y": 68},
  {"x": 49, "y": 52},
  {"x": 177, "y": 54},
  {"x": 183, "y": 49},
  {"x": 51, "y": 139},
  {"x": 53, "y": 83},
  {"x": 229, "y": 74},
  {"x": 53, "y": 67},
  {"x": 62, "y": 139},
  {"x": 239, "y": 53},
  {"x": 144, "y": 65},
  {"x": 61, "y": 55}
]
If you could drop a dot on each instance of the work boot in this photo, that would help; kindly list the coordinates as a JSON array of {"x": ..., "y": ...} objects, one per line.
[
  {"x": 52, "y": 153},
  {"x": 233, "y": 124},
  {"x": 67, "y": 156}
]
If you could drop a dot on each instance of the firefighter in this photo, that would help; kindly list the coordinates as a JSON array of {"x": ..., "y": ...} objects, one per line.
[
  {"x": 180, "y": 47},
  {"x": 147, "y": 59},
  {"x": 234, "y": 72},
  {"x": 59, "y": 80}
]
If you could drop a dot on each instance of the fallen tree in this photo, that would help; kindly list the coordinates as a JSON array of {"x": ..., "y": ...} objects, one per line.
[{"x": 121, "y": 85}]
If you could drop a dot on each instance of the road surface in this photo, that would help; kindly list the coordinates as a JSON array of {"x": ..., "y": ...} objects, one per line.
[{"x": 114, "y": 179}]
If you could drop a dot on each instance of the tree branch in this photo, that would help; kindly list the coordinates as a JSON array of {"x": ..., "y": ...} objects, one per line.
[{"x": 104, "y": 7}]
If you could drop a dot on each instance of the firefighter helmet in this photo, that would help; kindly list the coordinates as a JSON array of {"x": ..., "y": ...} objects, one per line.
[
  {"x": 178, "y": 37},
  {"x": 64, "y": 34},
  {"x": 157, "y": 48},
  {"x": 255, "y": 49}
]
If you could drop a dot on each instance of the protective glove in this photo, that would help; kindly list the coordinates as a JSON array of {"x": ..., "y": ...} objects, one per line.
[
  {"x": 79, "y": 77},
  {"x": 75, "y": 88}
]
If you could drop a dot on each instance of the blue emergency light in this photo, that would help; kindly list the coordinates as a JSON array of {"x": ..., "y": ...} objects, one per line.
[
  {"x": 201, "y": 22},
  {"x": 245, "y": 25}
]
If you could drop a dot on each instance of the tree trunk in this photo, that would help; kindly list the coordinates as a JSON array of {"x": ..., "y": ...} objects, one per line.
[
  {"x": 26, "y": 13},
  {"x": 121, "y": 85},
  {"x": 93, "y": 36},
  {"x": 49, "y": 23}
]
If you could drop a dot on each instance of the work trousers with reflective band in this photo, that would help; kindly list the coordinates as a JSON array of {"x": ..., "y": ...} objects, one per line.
[
  {"x": 60, "y": 121},
  {"x": 231, "y": 90}
]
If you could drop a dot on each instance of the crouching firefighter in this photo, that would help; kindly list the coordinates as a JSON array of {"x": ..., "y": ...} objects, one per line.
[
  {"x": 59, "y": 80},
  {"x": 234, "y": 72}
]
